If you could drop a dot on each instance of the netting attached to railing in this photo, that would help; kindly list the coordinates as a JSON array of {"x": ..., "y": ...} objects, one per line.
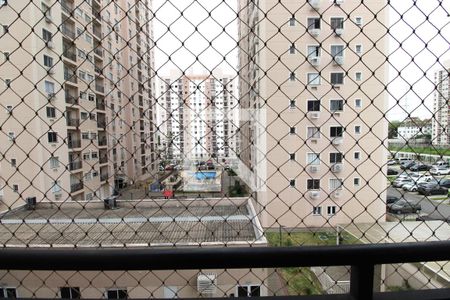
[{"x": 140, "y": 124}]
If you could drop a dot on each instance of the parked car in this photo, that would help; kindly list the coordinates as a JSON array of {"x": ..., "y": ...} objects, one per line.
[
  {"x": 420, "y": 167},
  {"x": 440, "y": 163},
  {"x": 440, "y": 170},
  {"x": 400, "y": 182},
  {"x": 432, "y": 189},
  {"x": 444, "y": 182},
  {"x": 402, "y": 206},
  {"x": 410, "y": 187},
  {"x": 391, "y": 199},
  {"x": 407, "y": 164},
  {"x": 392, "y": 171},
  {"x": 392, "y": 162}
]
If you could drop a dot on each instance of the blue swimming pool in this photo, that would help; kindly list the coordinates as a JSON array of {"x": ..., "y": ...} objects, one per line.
[{"x": 205, "y": 175}]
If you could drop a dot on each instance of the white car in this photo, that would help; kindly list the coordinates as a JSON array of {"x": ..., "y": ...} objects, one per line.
[
  {"x": 410, "y": 187},
  {"x": 442, "y": 170}
]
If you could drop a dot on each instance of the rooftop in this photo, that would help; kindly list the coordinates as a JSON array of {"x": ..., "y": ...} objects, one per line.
[{"x": 189, "y": 222}]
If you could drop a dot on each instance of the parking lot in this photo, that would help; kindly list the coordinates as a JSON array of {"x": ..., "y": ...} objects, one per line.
[{"x": 432, "y": 206}]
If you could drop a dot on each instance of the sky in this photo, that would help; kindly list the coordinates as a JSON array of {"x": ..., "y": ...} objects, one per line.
[{"x": 202, "y": 35}]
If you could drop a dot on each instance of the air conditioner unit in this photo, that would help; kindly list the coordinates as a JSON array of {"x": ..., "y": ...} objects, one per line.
[
  {"x": 207, "y": 284},
  {"x": 337, "y": 141},
  {"x": 49, "y": 44},
  {"x": 314, "y": 115},
  {"x": 339, "y": 60},
  {"x": 314, "y": 31},
  {"x": 338, "y": 2},
  {"x": 315, "y": 61},
  {"x": 314, "y": 3},
  {"x": 336, "y": 168},
  {"x": 338, "y": 31},
  {"x": 51, "y": 96},
  {"x": 314, "y": 194},
  {"x": 50, "y": 70},
  {"x": 313, "y": 169},
  {"x": 337, "y": 194}
]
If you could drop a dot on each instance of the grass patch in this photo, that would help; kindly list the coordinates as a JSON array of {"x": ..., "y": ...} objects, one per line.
[
  {"x": 391, "y": 178},
  {"x": 302, "y": 281},
  {"x": 421, "y": 150}
]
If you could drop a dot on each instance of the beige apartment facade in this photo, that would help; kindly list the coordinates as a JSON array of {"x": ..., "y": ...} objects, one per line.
[
  {"x": 198, "y": 116},
  {"x": 312, "y": 93},
  {"x": 76, "y": 98},
  {"x": 144, "y": 224},
  {"x": 440, "y": 118}
]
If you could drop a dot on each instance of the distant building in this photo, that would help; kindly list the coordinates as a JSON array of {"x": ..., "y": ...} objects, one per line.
[
  {"x": 197, "y": 116},
  {"x": 441, "y": 135},
  {"x": 413, "y": 128}
]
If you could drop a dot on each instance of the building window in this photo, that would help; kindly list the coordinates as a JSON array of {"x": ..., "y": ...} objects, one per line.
[
  {"x": 313, "y": 158},
  {"x": 336, "y": 105},
  {"x": 51, "y": 112},
  {"x": 313, "y": 79},
  {"x": 292, "y": 49},
  {"x": 359, "y": 21},
  {"x": 292, "y": 156},
  {"x": 317, "y": 210},
  {"x": 357, "y": 155},
  {"x": 292, "y": 130},
  {"x": 84, "y": 115},
  {"x": 358, "y": 49},
  {"x": 313, "y": 105},
  {"x": 292, "y": 104},
  {"x": 313, "y": 184},
  {"x": 313, "y": 132},
  {"x": 313, "y": 51},
  {"x": 12, "y": 136},
  {"x": 56, "y": 188},
  {"x": 70, "y": 292},
  {"x": 335, "y": 157},
  {"x": 8, "y": 82},
  {"x": 337, "y": 23},
  {"x": 336, "y": 131},
  {"x": 337, "y": 78},
  {"x": 337, "y": 50},
  {"x": 54, "y": 162},
  {"x": 52, "y": 137},
  {"x": 292, "y": 76},
  {"x": 46, "y": 35},
  {"x": 8, "y": 292},
  {"x": 336, "y": 184},
  {"x": 331, "y": 210},
  {"x": 249, "y": 291},
  {"x": 292, "y": 21},
  {"x": 4, "y": 3},
  {"x": 13, "y": 162},
  {"x": 48, "y": 61},
  {"x": 292, "y": 183},
  {"x": 15, "y": 188},
  {"x": 9, "y": 109},
  {"x": 117, "y": 294},
  {"x": 356, "y": 181},
  {"x": 358, "y": 76},
  {"x": 313, "y": 23},
  {"x": 357, "y": 129},
  {"x": 49, "y": 87},
  {"x": 358, "y": 103}
]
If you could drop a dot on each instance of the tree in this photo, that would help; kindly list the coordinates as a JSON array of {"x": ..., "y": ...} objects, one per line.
[{"x": 393, "y": 129}]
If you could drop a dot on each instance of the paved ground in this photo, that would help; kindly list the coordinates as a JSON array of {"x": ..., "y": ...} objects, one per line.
[{"x": 435, "y": 209}]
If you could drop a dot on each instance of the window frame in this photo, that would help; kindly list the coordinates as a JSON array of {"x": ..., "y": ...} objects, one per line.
[
  {"x": 337, "y": 136},
  {"x": 336, "y": 110},
  {"x": 336, "y": 73},
  {"x": 315, "y": 184},
  {"x": 314, "y": 104}
]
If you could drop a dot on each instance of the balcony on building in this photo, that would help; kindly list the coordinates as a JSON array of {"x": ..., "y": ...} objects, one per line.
[
  {"x": 103, "y": 156},
  {"x": 69, "y": 52},
  {"x": 98, "y": 49},
  {"x": 75, "y": 162},
  {"x": 101, "y": 120},
  {"x": 68, "y": 29},
  {"x": 97, "y": 31},
  {"x": 72, "y": 119},
  {"x": 67, "y": 6},
  {"x": 104, "y": 174},
  {"x": 73, "y": 139},
  {"x": 71, "y": 96},
  {"x": 96, "y": 9},
  {"x": 99, "y": 85},
  {"x": 102, "y": 139},
  {"x": 100, "y": 103},
  {"x": 76, "y": 184},
  {"x": 70, "y": 75}
]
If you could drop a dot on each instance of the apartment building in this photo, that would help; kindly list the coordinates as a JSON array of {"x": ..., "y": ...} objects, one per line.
[
  {"x": 76, "y": 98},
  {"x": 136, "y": 225},
  {"x": 440, "y": 118},
  {"x": 414, "y": 128},
  {"x": 198, "y": 116},
  {"x": 313, "y": 133}
]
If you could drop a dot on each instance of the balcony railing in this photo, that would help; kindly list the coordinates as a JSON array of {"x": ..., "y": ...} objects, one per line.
[
  {"x": 75, "y": 187},
  {"x": 70, "y": 76},
  {"x": 104, "y": 177},
  {"x": 74, "y": 144},
  {"x": 98, "y": 51},
  {"x": 70, "y": 54},
  {"x": 75, "y": 165},
  {"x": 70, "y": 99},
  {"x": 100, "y": 88},
  {"x": 103, "y": 159},
  {"x": 103, "y": 142},
  {"x": 70, "y": 33},
  {"x": 100, "y": 105},
  {"x": 361, "y": 258},
  {"x": 66, "y": 7},
  {"x": 101, "y": 124},
  {"x": 73, "y": 122}
]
